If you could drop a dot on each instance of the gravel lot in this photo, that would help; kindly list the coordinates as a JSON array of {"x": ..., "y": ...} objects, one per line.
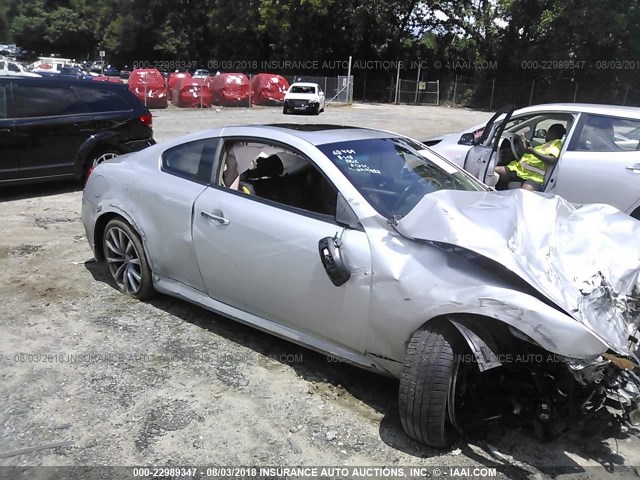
[{"x": 166, "y": 383}]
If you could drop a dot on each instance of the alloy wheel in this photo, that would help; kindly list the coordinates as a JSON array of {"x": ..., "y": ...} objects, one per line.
[
  {"x": 123, "y": 261},
  {"x": 101, "y": 158}
]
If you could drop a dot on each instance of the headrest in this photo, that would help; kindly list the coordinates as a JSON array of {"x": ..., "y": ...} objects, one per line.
[
  {"x": 266, "y": 167},
  {"x": 601, "y": 123}
]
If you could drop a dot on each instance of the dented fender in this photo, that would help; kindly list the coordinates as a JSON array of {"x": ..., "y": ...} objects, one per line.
[{"x": 413, "y": 283}]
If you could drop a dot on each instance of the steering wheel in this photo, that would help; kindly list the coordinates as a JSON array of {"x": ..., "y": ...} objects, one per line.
[{"x": 518, "y": 143}]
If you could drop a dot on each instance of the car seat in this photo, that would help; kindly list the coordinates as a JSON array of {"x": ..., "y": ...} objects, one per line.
[
  {"x": 598, "y": 135},
  {"x": 265, "y": 181}
]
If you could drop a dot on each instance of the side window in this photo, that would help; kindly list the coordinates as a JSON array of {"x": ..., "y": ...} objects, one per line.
[
  {"x": 192, "y": 161},
  {"x": 36, "y": 101},
  {"x": 3, "y": 102},
  {"x": 535, "y": 127},
  {"x": 3, "y": 65},
  {"x": 13, "y": 67},
  {"x": 608, "y": 134},
  {"x": 277, "y": 174},
  {"x": 101, "y": 100}
]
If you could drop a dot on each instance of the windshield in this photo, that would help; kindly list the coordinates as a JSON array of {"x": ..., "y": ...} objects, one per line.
[
  {"x": 301, "y": 89},
  {"x": 393, "y": 174}
]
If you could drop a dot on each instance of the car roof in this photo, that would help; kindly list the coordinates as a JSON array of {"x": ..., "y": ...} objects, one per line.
[
  {"x": 610, "y": 110},
  {"x": 304, "y": 84},
  {"x": 321, "y": 134},
  {"x": 313, "y": 134},
  {"x": 64, "y": 81}
]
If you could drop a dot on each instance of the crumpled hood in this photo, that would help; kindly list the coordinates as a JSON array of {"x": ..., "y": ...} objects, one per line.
[{"x": 585, "y": 259}]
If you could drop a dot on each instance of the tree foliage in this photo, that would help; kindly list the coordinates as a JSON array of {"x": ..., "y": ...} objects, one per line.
[{"x": 506, "y": 31}]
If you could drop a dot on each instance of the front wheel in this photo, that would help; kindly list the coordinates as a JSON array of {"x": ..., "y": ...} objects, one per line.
[
  {"x": 428, "y": 384},
  {"x": 126, "y": 260}
]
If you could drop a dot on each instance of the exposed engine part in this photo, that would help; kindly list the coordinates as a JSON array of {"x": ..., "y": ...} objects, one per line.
[
  {"x": 634, "y": 416},
  {"x": 544, "y": 412},
  {"x": 588, "y": 372}
]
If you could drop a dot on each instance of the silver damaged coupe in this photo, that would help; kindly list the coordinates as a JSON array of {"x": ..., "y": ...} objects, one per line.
[{"x": 367, "y": 246}]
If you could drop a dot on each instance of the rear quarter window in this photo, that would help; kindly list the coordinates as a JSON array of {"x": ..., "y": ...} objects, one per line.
[
  {"x": 40, "y": 101},
  {"x": 193, "y": 160},
  {"x": 101, "y": 100}
]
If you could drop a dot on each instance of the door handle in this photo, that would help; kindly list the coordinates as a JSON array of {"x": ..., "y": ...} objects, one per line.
[
  {"x": 216, "y": 218},
  {"x": 635, "y": 168},
  {"x": 5, "y": 130}
]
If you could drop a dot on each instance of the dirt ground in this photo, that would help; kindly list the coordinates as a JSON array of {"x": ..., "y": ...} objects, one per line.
[{"x": 114, "y": 381}]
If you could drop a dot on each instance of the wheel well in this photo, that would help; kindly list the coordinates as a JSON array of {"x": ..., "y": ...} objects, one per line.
[
  {"x": 102, "y": 148},
  {"x": 94, "y": 150},
  {"x": 497, "y": 334},
  {"x": 98, "y": 233}
]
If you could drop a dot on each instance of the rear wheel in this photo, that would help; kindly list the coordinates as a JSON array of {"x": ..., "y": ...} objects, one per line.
[
  {"x": 126, "y": 260},
  {"x": 285, "y": 110},
  {"x": 96, "y": 158},
  {"x": 101, "y": 156},
  {"x": 428, "y": 384}
]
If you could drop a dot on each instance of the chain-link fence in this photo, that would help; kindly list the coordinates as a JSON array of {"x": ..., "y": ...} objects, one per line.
[
  {"x": 418, "y": 92},
  {"x": 491, "y": 94},
  {"x": 336, "y": 89}
]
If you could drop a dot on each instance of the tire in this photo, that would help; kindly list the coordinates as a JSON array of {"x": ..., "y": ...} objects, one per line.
[
  {"x": 636, "y": 213},
  {"x": 316, "y": 110},
  {"x": 285, "y": 110},
  {"x": 96, "y": 158},
  {"x": 126, "y": 261},
  {"x": 426, "y": 382},
  {"x": 100, "y": 156}
]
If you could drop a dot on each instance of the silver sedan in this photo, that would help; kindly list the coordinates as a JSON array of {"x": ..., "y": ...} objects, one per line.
[
  {"x": 370, "y": 248},
  {"x": 599, "y": 160}
]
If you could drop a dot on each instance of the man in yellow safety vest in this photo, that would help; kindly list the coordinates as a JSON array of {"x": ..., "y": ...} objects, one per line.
[{"x": 531, "y": 168}]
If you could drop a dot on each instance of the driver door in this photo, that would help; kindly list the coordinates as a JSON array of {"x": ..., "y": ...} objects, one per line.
[
  {"x": 262, "y": 256},
  {"x": 482, "y": 159}
]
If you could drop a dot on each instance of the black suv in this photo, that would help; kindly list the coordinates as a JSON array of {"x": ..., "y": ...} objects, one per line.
[{"x": 57, "y": 128}]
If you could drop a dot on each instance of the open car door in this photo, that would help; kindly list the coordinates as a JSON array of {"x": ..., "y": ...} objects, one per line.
[{"x": 482, "y": 159}]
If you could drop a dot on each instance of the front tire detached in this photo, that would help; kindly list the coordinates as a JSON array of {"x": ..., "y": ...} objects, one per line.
[
  {"x": 426, "y": 382},
  {"x": 126, "y": 260}
]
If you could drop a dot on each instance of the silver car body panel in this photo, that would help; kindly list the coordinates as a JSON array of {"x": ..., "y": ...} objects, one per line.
[
  {"x": 263, "y": 266},
  {"x": 551, "y": 245},
  {"x": 579, "y": 174}
]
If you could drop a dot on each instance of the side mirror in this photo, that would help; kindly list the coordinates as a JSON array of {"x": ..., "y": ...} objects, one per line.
[
  {"x": 467, "y": 139},
  {"x": 332, "y": 261},
  {"x": 540, "y": 133}
]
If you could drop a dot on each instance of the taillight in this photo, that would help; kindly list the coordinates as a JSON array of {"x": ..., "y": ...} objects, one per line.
[
  {"x": 86, "y": 175},
  {"x": 147, "y": 119}
]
